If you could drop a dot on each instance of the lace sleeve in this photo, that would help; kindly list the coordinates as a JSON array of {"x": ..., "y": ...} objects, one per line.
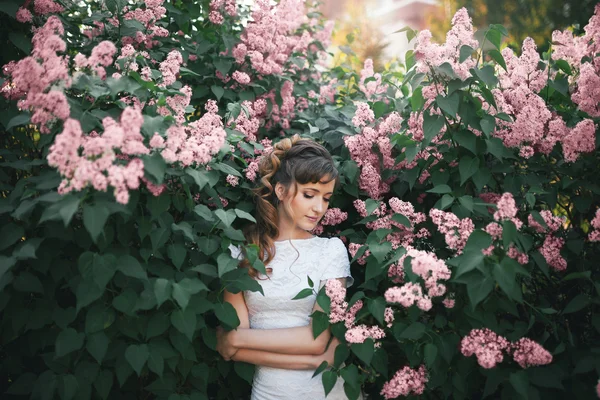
[{"x": 336, "y": 262}]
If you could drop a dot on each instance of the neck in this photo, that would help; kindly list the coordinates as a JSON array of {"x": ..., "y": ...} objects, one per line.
[{"x": 287, "y": 230}]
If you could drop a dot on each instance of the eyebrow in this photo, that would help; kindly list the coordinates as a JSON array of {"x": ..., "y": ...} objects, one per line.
[{"x": 317, "y": 190}]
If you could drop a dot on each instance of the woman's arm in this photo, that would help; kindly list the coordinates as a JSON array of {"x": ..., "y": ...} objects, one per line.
[
  {"x": 297, "y": 340},
  {"x": 287, "y": 361}
]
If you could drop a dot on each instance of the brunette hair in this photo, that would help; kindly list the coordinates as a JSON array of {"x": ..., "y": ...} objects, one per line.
[{"x": 293, "y": 160}]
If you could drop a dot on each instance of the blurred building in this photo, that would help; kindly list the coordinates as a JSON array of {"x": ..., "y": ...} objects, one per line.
[{"x": 388, "y": 16}]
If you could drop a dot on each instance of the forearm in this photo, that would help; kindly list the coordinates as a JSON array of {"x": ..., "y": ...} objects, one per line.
[
  {"x": 277, "y": 360},
  {"x": 298, "y": 340}
]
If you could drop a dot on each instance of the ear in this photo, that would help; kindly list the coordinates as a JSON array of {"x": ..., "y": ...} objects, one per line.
[{"x": 279, "y": 191}]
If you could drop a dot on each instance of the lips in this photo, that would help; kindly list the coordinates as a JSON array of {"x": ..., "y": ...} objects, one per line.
[{"x": 313, "y": 219}]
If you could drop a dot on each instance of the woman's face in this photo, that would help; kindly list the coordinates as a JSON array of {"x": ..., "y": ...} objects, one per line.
[{"x": 308, "y": 205}]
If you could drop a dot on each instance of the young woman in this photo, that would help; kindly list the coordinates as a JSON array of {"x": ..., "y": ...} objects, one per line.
[{"x": 298, "y": 178}]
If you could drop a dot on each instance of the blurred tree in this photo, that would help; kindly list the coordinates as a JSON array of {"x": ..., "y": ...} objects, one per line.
[
  {"x": 534, "y": 18},
  {"x": 358, "y": 38}
]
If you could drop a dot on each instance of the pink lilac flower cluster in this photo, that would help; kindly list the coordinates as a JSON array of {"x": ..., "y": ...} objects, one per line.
[
  {"x": 93, "y": 160},
  {"x": 362, "y": 332},
  {"x": 270, "y": 37},
  {"x": 430, "y": 54},
  {"x": 170, "y": 68},
  {"x": 353, "y": 249},
  {"x": 407, "y": 295},
  {"x": 374, "y": 87},
  {"x": 363, "y": 115},
  {"x": 148, "y": 16},
  {"x": 233, "y": 180},
  {"x": 580, "y": 53},
  {"x": 336, "y": 293},
  {"x": 361, "y": 149},
  {"x": 339, "y": 312},
  {"x": 489, "y": 348},
  {"x": 196, "y": 142},
  {"x": 34, "y": 76},
  {"x": 551, "y": 251},
  {"x": 456, "y": 231},
  {"x": 102, "y": 56},
  {"x": 249, "y": 122},
  {"x": 552, "y": 223},
  {"x": 406, "y": 382},
  {"x": 334, "y": 216},
  {"x": 528, "y": 353},
  {"x": 24, "y": 15},
  {"x": 283, "y": 114},
  {"x": 43, "y": 7},
  {"x": 216, "y": 10},
  {"x": 535, "y": 127},
  {"x": 507, "y": 210},
  {"x": 594, "y": 235}
]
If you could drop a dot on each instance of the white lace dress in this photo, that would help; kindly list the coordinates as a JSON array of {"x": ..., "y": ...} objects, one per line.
[{"x": 319, "y": 258}]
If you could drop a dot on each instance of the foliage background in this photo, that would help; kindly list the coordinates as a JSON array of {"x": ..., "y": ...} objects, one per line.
[{"x": 102, "y": 299}]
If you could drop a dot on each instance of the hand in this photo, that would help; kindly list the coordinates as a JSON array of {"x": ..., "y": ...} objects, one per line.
[{"x": 224, "y": 345}]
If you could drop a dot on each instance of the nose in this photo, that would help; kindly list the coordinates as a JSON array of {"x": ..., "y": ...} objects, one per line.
[{"x": 318, "y": 207}]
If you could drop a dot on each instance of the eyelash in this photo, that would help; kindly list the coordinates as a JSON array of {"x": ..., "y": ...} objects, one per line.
[{"x": 310, "y": 197}]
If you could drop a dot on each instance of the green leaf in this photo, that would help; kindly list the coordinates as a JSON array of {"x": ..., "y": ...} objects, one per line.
[
  {"x": 245, "y": 371},
  {"x": 94, "y": 218},
  {"x": 329, "y": 379},
  {"x": 487, "y": 75},
  {"x": 126, "y": 302},
  {"x": 320, "y": 322},
  {"x": 156, "y": 362},
  {"x": 401, "y": 219},
  {"x": 162, "y": 290},
  {"x": 21, "y": 41},
  {"x": 226, "y": 169},
  {"x": 467, "y": 167},
  {"x": 303, "y": 293},
  {"x": 218, "y": 91},
  {"x": 478, "y": 240},
  {"x": 465, "y": 52},
  {"x": 130, "y": 266},
  {"x": 415, "y": 331},
  {"x": 380, "y": 250},
  {"x": 18, "y": 120},
  {"x": 155, "y": 166},
  {"x": 97, "y": 345},
  {"x": 466, "y": 202},
  {"x": 227, "y": 217},
  {"x": 430, "y": 354},
  {"x": 226, "y": 263},
  {"x": 379, "y": 108},
  {"x": 223, "y": 65},
  {"x": 341, "y": 354},
  {"x": 10, "y": 234},
  {"x": 322, "y": 367},
  {"x": 440, "y": 189},
  {"x": 67, "y": 341},
  {"x": 505, "y": 276},
  {"x": 509, "y": 233},
  {"x": 432, "y": 124},
  {"x": 136, "y": 356},
  {"x": 177, "y": 253},
  {"x": 68, "y": 387},
  {"x": 520, "y": 382},
  {"x": 578, "y": 303},
  {"x": 479, "y": 287},
  {"x": 103, "y": 383},
  {"x": 243, "y": 214},
  {"x": 157, "y": 325},
  {"x": 364, "y": 351},
  {"x": 27, "y": 282},
  {"x": 86, "y": 293},
  {"x": 204, "y": 212},
  {"x": 467, "y": 262},
  {"x": 227, "y": 315},
  {"x": 377, "y": 309},
  {"x": 494, "y": 36},
  {"x": 184, "y": 322},
  {"x": 497, "y": 56},
  {"x": 449, "y": 104}
]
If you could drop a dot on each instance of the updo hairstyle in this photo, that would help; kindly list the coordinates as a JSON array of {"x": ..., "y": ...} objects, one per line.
[{"x": 292, "y": 161}]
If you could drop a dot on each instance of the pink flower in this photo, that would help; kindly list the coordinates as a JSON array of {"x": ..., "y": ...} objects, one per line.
[
  {"x": 360, "y": 333},
  {"x": 487, "y": 346},
  {"x": 233, "y": 180},
  {"x": 43, "y": 7},
  {"x": 241, "y": 77},
  {"x": 528, "y": 353},
  {"x": 363, "y": 115},
  {"x": 405, "y": 382},
  {"x": 456, "y": 230},
  {"x": 334, "y": 216},
  {"x": 336, "y": 293},
  {"x": 551, "y": 252},
  {"x": 24, "y": 15}
]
